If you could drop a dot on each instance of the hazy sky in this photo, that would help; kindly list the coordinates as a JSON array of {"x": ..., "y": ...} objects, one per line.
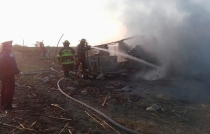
[
  {"x": 37, "y": 20},
  {"x": 182, "y": 27}
]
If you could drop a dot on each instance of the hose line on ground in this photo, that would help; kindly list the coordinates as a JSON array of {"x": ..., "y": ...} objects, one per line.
[
  {"x": 56, "y": 70},
  {"x": 127, "y": 130}
]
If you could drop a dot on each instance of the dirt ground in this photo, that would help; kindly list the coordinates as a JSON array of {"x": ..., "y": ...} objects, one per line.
[{"x": 183, "y": 103}]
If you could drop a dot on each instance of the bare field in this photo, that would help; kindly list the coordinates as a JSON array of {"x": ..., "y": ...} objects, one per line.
[{"x": 183, "y": 103}]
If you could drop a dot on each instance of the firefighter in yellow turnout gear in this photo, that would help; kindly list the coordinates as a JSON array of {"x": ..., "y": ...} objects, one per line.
[{"x": 66, "y": 59}]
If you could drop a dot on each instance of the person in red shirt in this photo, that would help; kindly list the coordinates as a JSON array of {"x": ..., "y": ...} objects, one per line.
[{"x": 41, "y": 46}]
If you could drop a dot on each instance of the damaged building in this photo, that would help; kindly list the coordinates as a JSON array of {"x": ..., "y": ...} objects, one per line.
[{"x": 106, "y": 62}]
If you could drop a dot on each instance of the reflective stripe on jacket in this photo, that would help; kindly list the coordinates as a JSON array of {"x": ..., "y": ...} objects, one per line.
[{"x": 66, "y": 56}]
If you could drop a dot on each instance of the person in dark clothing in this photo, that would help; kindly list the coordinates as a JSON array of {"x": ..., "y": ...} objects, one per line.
[
  {"x": 80, "y": 54},
  {"x": 66, "y": 59},
  {"x": 8, "y": 70}
]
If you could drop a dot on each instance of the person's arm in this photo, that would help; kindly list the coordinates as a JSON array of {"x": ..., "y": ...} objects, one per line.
[
  {"x": 59, "y": 55},
  {"x": 87, "y": 47}
]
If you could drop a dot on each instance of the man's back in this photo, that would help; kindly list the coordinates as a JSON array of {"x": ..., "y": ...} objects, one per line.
[
  {"x": 80, "y": 51},
  {"x": 67, "y": 55}
]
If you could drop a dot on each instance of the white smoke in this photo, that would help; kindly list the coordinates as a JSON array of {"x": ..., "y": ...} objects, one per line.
[{"x": 181, "y": 27}]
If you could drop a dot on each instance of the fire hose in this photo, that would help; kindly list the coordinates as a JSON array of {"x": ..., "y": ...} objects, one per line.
[{"x": 127, "y": 130}]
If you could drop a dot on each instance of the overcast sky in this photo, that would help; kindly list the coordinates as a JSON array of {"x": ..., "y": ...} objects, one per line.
[{"x": 37, "y": 20}]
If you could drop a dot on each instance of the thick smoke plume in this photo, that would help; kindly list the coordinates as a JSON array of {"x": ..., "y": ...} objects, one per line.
[{"x": 181, "y": 28}]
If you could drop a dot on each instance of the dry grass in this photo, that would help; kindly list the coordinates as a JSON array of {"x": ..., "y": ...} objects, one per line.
[
  {"x": 144, "y": 126},
  {"x": 34, "y": 100}
]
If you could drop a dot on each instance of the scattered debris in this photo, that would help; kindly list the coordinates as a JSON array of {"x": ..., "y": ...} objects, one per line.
[
  {"x": 56, "y": 105},
  {"x": 135, "y": 98},
  {"x": 38, "y": 75},
  {"x": 69, "y": 131},
  {"x": 96, "y": 120},
  {"x": 153, "y": 108},
  {"x": 129, "y": 100},
  {"x": 64, "y": 128},
  {"x": 3, "y": 115},
  {"x": 109, "y": 96},
  {"x": 70, "y": 88},
  {"x": 17, "y": 84},
  {"x": 76, "y": 83},
  {"x": 84, "y": 92},
  {"x": 52, "y": 76},
  {"x": 23, "y": 86},
  {"x": 154, "y": 114},
  {"x": 100, "y": 77},
  {"x": 17, "y": 127},
  {"x": 53, "y": 88},
  {"x": 114, "y": 85},
  {"x": 104, "y": 122},
  {"x": 78, "y": 74},
  {"x": 125, "y": 89},
  {"x": 104, "y": 101},
  {"x": 90, "y": 76},
  {"x": 60, "y": 118},
  {"x": 125, "y": 75},
  {"x": 45, "y": 79},
  {"x": 33, "y": 123}
]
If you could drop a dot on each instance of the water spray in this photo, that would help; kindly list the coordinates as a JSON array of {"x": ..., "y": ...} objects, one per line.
[{"x": 129, "y": 56}]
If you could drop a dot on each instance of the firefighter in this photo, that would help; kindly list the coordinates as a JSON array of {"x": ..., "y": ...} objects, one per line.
[
  {"x": 66, "y": 59},
  {"x": 80, "y": 54},
  {"x": 8, "y": 70}
]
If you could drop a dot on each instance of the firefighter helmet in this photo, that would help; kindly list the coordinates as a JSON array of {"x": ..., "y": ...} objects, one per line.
[
  {"x": 66, "y": 42},
  {"x": 83, "y": 40}
]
